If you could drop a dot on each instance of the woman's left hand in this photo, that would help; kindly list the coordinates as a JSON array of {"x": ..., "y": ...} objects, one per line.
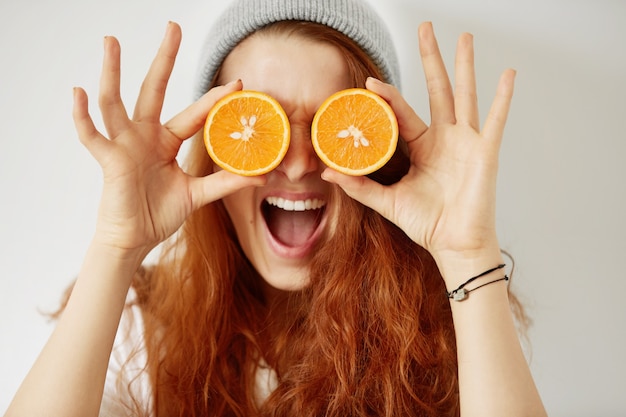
[{"x": 446, "y": 202}]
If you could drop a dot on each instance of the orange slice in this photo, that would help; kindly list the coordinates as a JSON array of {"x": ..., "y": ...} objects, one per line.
[
  {"x": 355, "y": 131},
  {"x": 247, "y": 132}
]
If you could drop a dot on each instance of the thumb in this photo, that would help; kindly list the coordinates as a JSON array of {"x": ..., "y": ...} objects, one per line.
[
  {"x": 364, "y": 190},
  {"x": 215, "y": 186}
]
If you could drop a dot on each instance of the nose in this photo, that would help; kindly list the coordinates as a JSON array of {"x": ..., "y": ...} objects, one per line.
[{"x": 301, "y": 158}]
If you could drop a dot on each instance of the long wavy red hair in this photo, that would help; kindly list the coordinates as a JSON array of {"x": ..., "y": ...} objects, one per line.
[{"x": 371, "y": 335}]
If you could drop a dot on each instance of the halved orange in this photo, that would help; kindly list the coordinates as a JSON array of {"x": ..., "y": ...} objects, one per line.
[
  {"x": 355, "y": 131},
  {"x": 247, "y": 132}
]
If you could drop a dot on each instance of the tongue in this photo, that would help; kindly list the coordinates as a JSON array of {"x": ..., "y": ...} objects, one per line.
[{"x": 292, "y": 228}]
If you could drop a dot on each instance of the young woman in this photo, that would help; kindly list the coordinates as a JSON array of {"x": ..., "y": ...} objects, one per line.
[{"x": 344, "y": 308}]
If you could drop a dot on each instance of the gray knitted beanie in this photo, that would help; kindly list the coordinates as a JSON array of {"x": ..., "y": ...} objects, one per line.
[{"x": 354, "y": 18}]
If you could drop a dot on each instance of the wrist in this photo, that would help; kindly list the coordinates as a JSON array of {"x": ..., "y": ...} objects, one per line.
[
  {"x": 456, "y": 267},
  {"x": 117, "y": 257}
]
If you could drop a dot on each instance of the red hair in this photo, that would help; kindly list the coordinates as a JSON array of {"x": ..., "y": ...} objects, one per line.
[{"x": 372, "y": 334}]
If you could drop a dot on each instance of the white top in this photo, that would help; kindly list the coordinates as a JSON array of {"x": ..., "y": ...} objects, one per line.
[{"x": 117, "y": 400}]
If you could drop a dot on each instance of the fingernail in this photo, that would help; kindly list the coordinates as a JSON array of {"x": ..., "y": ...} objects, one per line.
[
  {"x": 324, "y": 175},
  {"x": 233, "y": 82},
  {"x": 374, "y": 81},
  {"x": 169, "y": 28}
]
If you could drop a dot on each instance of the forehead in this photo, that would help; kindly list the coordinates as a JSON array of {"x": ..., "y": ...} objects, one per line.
[{"x": 291, "y": 68}]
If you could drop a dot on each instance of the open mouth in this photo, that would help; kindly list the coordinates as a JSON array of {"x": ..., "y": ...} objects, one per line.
[{"x": 293, "y": 223}]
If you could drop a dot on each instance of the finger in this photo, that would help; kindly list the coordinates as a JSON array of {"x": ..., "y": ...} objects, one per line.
[
  {"x": 411, "y": 126},
  {"x": 437, "y": 80},
  {"x": 190, "y": 120},
  {"x": 218, "y": 185},
  {"x": 113, "y": 112},
  {"x": 498, "y": 113},
  {"x": 465, "y": 98},
  {"x": 152, "y": 93},
  {"x": 364, "y": 190},
  {"x": 87, "y": 132}
]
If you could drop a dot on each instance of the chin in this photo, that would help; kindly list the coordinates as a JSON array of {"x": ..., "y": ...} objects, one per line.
[{"x": 289, "y": 280}]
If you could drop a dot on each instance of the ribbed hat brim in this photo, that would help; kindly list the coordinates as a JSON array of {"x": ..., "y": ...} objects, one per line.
[{"x": 354, "y": 18}]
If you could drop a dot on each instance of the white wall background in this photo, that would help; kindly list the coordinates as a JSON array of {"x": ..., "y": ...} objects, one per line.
[{"x": 561, "y": 189}]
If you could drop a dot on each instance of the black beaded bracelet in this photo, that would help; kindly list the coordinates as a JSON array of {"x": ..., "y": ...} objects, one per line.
[{"x": 461, "y": 293}]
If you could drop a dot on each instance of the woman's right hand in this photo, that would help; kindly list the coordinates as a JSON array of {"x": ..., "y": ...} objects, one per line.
[{"x": 146, "y": 195}]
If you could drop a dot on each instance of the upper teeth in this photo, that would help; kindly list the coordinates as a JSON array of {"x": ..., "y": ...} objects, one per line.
[{"x": 296, "y": 205}]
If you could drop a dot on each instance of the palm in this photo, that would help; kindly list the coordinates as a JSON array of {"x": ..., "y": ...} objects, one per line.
[
  {"x": 146, "y": 195},
  {"x": 446, "y": 202}
]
